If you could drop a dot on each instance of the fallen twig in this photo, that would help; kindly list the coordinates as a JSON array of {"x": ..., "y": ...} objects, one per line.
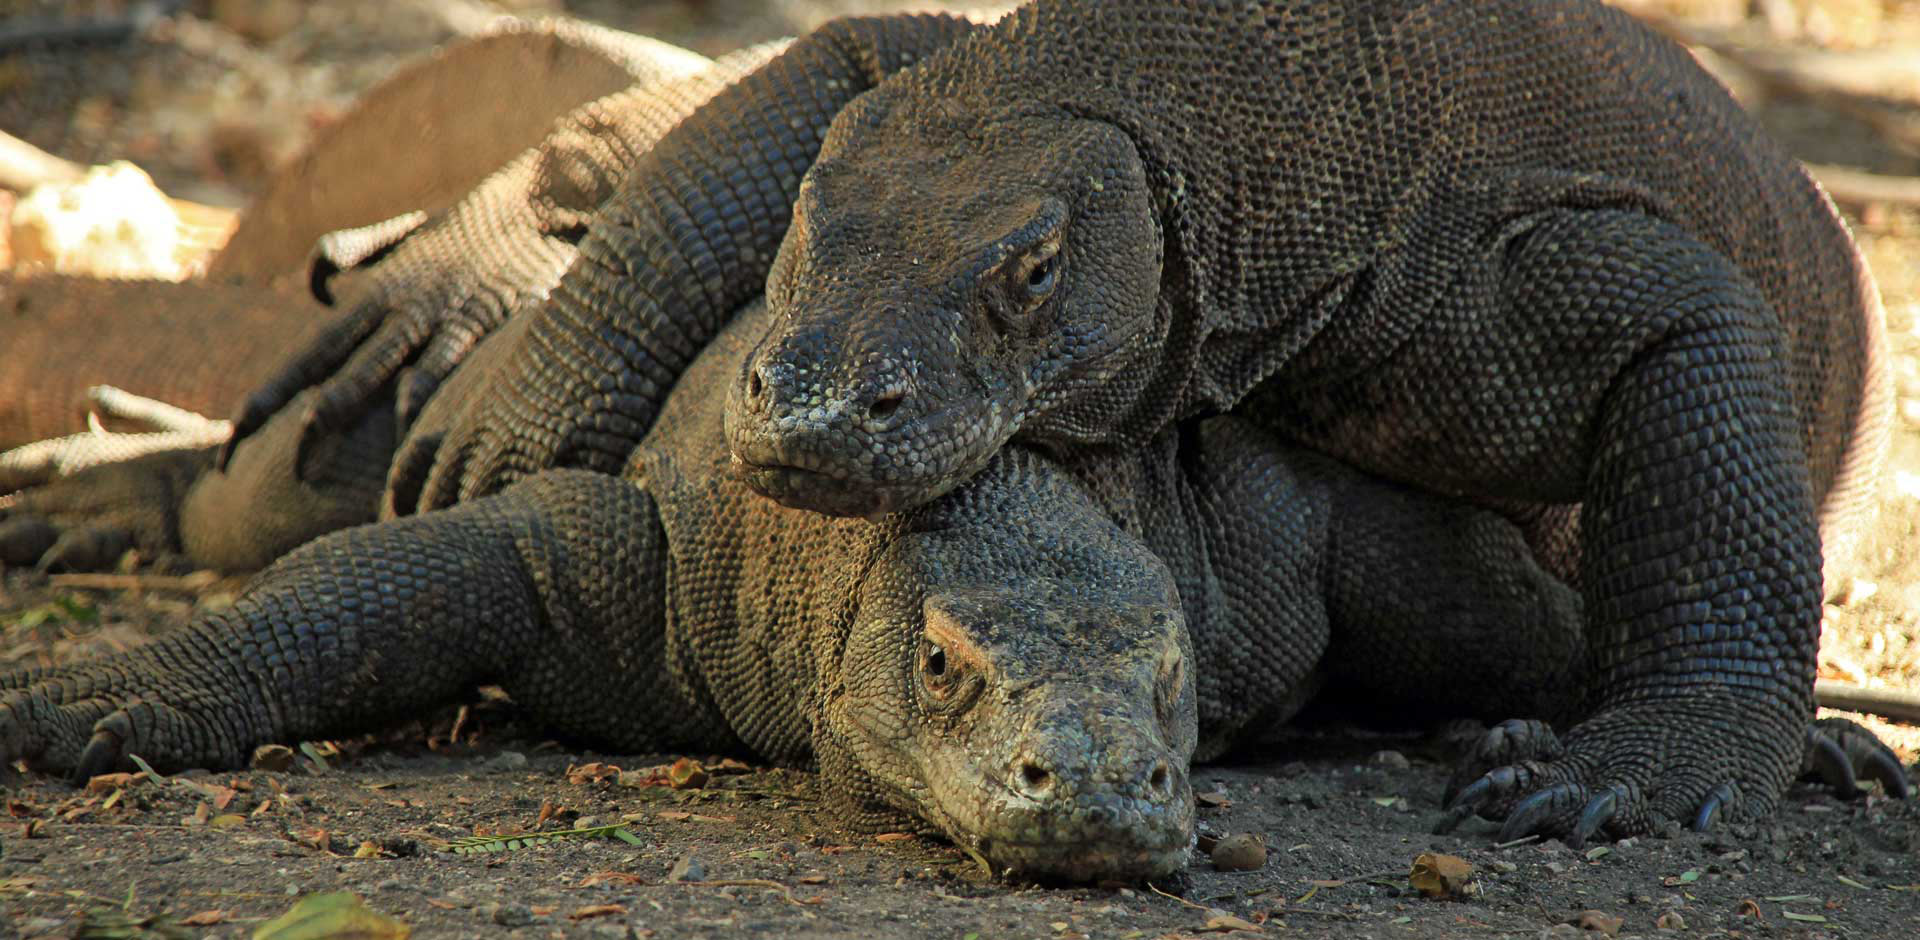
[
  {"x": 1887, "y": 703},
  {"x": 187, "y": 583}
]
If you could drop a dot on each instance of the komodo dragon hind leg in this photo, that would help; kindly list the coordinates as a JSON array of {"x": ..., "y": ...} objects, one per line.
[
  {"x": 1839, "y": 753},
  {"x": 165, "y": 427}
]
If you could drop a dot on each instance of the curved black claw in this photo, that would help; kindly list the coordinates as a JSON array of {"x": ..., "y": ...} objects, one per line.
[
  {"x": 324, "y": 353},
  {"x": 1485, "y": 794},
  {"x": 1598, "y": 812},
  {"x": 1721, "y": 799},
  {"x": 1841, "y": 753},
  {"x": 1538, "y": 812},
  {"x": 104, "y": 751}
]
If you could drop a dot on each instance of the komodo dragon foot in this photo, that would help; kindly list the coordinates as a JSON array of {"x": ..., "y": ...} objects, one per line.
[
  {"x": 1518, "y": 771},
  {"x": 171, "y": 503}
]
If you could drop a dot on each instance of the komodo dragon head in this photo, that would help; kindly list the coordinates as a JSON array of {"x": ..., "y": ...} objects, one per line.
[
  {"x": 952, "y": 274},
  {"x": 1017, "y": 675}
]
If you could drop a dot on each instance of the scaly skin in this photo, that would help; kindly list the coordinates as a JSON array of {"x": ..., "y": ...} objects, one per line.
[
  {"x": 1524, "y": 252},
  {"x": 1008, "y": 666}
]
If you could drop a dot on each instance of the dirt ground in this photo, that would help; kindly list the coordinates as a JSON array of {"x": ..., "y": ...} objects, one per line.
[{"x": 209, "y": 105}]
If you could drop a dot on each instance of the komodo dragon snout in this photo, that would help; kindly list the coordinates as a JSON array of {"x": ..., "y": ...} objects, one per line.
[
  {"x": 949, "y": 278},
  {"x": 1045, "y": 725}
]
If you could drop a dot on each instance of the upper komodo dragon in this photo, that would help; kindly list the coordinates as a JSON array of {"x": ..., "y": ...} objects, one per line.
[
  {"x": 1523, "y": 252},
  {"x": 1473, "y": 201},
  {"x": 1005, "y": 666}
]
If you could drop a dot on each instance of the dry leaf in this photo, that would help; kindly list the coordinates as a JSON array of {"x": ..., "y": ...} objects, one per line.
[
  {"x": 368, "y": 849},
  {"x": 1440, "y": 876},
  {"x": 204, "y": 918},
  {"x": 597, "y": 910},
  {"x": 625, "y": 878},
  {"x": 595, "y": 772},
  {"x": 1212, "y": 800},
  {"x": 104, "y": 782},
  {"x": 674, "y": 815},
  {"x": 1223, "y": 923},
  {"x": 227, "y": 821},
  {"x": 893, "y": 837},
  {"x": 686, "y": 774},
  {"x": 336, "y": 916}
]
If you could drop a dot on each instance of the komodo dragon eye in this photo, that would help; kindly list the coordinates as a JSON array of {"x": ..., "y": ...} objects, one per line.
[
  {"x": 948, "y": 682},
  {"x": 1033, "y": 276}
]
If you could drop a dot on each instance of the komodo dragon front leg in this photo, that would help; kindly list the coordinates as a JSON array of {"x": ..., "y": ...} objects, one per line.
[
  {"x": 415, "y": 298},
  {"x": 1624, "y": 366}
]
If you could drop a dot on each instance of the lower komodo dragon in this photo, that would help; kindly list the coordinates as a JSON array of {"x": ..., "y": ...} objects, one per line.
[
  {"x": 1730, "y": 633},
  {"x": 1005, "y": 666}
]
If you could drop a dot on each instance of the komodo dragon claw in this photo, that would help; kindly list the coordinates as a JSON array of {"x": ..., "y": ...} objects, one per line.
[{"x": 1529, "y": 780}]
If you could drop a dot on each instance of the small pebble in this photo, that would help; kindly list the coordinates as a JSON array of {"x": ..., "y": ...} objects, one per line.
[
  {"x": 1242, "y": 852},
  {"x": 510, "y": 914},
  {"x": 687, "y": 868},
  {"x": 1391, "y": 760},
  {"x": 505, "y": 760}
]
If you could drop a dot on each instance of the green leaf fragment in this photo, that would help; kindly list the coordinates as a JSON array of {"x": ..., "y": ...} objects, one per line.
[
  {"x": 1805, "y": 918},
  {"x": 468, "y": 845},
  {"x": 339, "y": 915}
]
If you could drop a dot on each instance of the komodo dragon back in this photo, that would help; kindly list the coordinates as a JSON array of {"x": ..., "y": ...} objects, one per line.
[{"x": 1318, "y": 178}]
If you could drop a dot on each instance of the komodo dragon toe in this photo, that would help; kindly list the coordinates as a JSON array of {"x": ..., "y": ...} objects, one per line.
[{"x": 1519, "y": 773}]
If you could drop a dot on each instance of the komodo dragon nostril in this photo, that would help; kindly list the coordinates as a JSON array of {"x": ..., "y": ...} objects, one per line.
[
  {"x": 1034, "y": 780},
  {"x": 886, "y": 406}
]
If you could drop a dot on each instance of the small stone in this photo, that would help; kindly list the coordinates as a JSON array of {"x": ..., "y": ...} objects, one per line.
[
  {"x": 1599, "y": 922},
  {"x": 1671, "y": 920},
  {"x": 1559, "y": 932},
  {"x": 509, "y": 914},
  {"x": 504, "y": 761},
  {"x": 687, "y": 868},
  {"x": 1245, "y": 851},
  {"x": 1391, "y": 760},
  {"x": 1503, "y": 867}
]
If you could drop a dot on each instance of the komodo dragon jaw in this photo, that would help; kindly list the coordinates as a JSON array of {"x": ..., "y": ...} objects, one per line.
[{"x": 941, "y": 272}]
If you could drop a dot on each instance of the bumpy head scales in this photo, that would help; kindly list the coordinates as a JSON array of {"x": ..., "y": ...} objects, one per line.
[
  {"x": 953, "y": 274},
  {"x": 1018, "y": 676}
]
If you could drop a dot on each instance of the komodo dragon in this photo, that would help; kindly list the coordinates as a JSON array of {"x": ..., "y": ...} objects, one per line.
[
  {"x": 1526, "y": 253},
  {"x": 468, "y": 265},
  {"x": 1733, "y": 636},
  {"x": 1006, "y": 666}
]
